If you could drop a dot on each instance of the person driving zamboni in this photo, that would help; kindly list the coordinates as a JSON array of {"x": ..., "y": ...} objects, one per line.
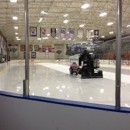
[{"x": 87, "y": 63}]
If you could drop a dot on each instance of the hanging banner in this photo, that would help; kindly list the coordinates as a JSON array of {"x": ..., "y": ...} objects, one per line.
[
  {"x": 80, "y": 33},
  {"x": 62, "y": 33},
  {"x": 71, "y": 33},
  {"x": 33, "y": 31},
  {"x": 1, "y": 45},
  {"x": 89, "y": 33},
  {"x": 13, "y": 51},
  {"x": 42, "y": 32},
  {"x": 53, "y": 32},
  {"x": 96, "y": 33}
]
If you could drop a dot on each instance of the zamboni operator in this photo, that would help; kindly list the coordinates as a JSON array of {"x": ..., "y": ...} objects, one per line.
[{"x": 87, "y": 59}]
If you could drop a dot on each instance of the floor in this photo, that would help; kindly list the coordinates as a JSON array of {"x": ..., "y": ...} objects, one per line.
[{"x": 52, "y": 79}]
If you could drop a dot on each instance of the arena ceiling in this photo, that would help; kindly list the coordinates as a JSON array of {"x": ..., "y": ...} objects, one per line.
[{"x": 54, "y": 17}]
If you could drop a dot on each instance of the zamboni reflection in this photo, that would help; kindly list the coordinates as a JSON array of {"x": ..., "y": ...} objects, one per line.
[{"x": 89, "y": 65}]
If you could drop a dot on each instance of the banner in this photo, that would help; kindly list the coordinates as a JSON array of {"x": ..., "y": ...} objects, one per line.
[
  {"x": 96, "y": 34},
  {"x": 80, "y": 33},
  {"x": 71, "y": 33},
  {"x": 33, "y": 31},
  {"x": 13, "y": 51},
  {"x": 2, "y": 45},
  {"x": 59, "y": 49},
  {"x": 62, "y": 33},
  {"x": 53, "y": 32},
  {"x": 46, "y": 48},
  {"x": 89, "y": 33},
  {"x": 42, "y": 32}
]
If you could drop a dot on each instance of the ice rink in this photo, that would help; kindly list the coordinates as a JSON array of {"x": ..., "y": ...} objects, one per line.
[{"x": 52, "y": 79}]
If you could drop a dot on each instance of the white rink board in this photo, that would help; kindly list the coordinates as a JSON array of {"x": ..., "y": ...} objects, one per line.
[{"x": 23, "y": 114}]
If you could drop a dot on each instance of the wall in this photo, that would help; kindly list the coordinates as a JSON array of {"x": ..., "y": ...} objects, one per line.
[
  {"x": 41, "y": 55},
  {"x": 51, "y": 114}
]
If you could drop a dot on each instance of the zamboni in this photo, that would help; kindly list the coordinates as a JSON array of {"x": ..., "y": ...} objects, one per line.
[{"x": 87, "y": 67}]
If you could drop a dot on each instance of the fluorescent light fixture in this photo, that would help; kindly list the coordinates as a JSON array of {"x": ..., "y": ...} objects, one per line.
[
  {"x": 13, "y": 0},
  {"x": 65, "y": 15},
  {"x": 101, "y": 90},
  {"x": 15, "y": 18},
  {"x": 111, "y": 32},
  {"x": 45, "y": 38},
  {"x": 63, "y": 39},
  {"x": 16, "y": 33},
  {"x": 91, "y": 98},
  {"x": 18, "y": 39},
  {"x": 85, "y": 6},
  {"x": 38, "y": 38},
  {"x": 103, "y": 14},
  {"x": 110, "y": 23},
  {"x": 103, "y": 36},
  {"x": 40, "y": 20},
  {"x": 66, "y": 21},
  {"x": 91, "y": 30},
  {"x": 128, "y": 26},
  {"x": 82, "y": 25},
  {"x": 48, "y": 34},
  {"x": 69, "y": 39},
  {"x": 42, "y": 12},
  {"x": 15, "y": 27}
]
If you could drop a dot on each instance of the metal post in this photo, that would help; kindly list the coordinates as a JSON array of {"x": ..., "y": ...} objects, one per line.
[
  {"x": 26, "y": 81},
  {"x": 7, "y": 57},
  {"x": 118, "y": 53}
]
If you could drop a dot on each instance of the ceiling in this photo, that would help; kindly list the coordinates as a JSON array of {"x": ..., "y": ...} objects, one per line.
[{"x": 54, "y": 19}]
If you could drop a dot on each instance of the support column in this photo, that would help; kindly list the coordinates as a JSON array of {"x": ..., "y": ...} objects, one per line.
[
  {"x": 26, "y": 81},
  {"x": 118, "y": 53}
]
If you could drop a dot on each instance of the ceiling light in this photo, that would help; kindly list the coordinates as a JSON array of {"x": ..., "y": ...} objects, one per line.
[
  {"x": 91, "y": 98},
  {"x": 40, "y": 20},
  {"x": 15, "y": 27},
  {"x": 66, "y": 21},
  {"x": 102, "y": 90},
  {"x": 16, "y": 33},
  {"x": 128, "y": 25},
  {"x": 45, "y": 38},
  {"x": 69, "y": 39},
  {"x": 111, "y": 32},
  {"x": 85, "y": 6},
  {"x": 15, "y": 18},
  {"x": 38, "y": 38},
  {"x": 43, "y": 12},
  {"x": 103, "y": 14},
  {"x": 103, "y": 36},
  {"x": 48, "y": 34},
  {"x": 18, "y": 39},
  {"x": 65, "y": 15},
  {"x": 91, "y": 30},
  {"x": 81, "y": 25},
  {"x": 110, "y": 23},
  {"x": 13, "y": 0}
]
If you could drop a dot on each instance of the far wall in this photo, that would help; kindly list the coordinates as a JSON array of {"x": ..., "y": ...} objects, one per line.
[{"x": 18, "y": 52}]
